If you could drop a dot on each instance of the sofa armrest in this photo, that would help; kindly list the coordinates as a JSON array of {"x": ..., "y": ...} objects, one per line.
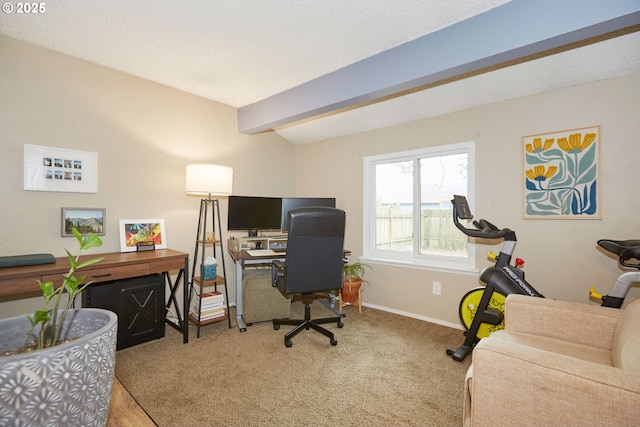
[
  {"x": 568, "y": 321},
  {"x": 515, "y": 384}
]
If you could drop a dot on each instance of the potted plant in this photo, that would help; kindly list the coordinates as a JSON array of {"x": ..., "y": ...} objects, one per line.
[
  {"x": 62, "y": 374},
  {"x": 353, "y": 280}
]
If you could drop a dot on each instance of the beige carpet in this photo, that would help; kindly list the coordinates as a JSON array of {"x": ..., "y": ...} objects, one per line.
[{"x": 387, "y": 370}]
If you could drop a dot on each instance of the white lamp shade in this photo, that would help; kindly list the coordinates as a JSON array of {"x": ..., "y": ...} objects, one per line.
[{"x": 209, "y": 179}]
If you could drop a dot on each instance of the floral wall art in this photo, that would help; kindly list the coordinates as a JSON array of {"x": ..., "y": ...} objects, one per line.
[{"x": 561, "y": 175}]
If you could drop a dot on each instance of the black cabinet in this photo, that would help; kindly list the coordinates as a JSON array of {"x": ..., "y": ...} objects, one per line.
[{"x": 139, "y": 303}]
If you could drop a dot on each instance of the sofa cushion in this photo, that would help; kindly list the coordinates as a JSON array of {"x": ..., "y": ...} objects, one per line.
[
  {"x": 587, "y": 324},
  {"x": 519, "y": 385},
  {"x": 567, "y": 348},
  {"x": 626, "y": 340}
]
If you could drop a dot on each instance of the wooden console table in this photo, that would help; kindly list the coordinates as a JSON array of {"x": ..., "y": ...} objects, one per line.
[{"x": 22, "y": 282}]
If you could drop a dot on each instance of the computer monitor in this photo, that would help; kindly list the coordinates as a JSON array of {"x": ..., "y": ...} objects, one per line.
[
  {"x": 254, "y": 213},
  {"x": 289, "y": 203}
]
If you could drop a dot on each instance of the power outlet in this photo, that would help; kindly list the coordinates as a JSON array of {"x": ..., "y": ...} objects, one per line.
[{"x": 437, "y": 288}]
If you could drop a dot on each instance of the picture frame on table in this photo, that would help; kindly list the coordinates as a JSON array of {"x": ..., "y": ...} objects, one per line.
[{"x": 142, "y": 232}]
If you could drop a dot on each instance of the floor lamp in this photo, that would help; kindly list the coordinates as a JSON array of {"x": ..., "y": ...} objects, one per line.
[{"x": 211, "y": 181}]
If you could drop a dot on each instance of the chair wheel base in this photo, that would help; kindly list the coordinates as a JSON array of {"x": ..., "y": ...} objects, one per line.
[{"x": 307, "y": 323}]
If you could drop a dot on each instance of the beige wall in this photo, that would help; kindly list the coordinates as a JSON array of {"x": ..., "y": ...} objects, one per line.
[
  {"x": 145, "y": 135},
  {"x": 561, "y": 257}
]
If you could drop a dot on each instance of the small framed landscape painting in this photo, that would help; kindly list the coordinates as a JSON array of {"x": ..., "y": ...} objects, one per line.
[{"x": 85, "y": 220}]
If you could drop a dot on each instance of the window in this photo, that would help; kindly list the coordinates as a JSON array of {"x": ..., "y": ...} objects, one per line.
[{"x": 408, "y": 216}]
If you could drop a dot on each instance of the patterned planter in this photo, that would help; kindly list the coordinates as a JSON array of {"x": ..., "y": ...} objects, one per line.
[{"x": 66, "y": 385}]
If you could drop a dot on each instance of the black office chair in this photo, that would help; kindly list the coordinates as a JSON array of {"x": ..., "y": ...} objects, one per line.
[{"x": 313, "y": 264}]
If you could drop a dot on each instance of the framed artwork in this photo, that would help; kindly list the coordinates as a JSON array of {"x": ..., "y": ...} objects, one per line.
[
  {"x": 134, "y": 232},
  {"x": 59, "y": 169},
  {"x": 86, "y": 220},
  {"x": 561, "y": 174}
]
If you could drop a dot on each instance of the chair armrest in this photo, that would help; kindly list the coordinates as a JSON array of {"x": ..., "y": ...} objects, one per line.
[
  {"x": 568, "y": 321},
  {"x": 514, "y": 384}
]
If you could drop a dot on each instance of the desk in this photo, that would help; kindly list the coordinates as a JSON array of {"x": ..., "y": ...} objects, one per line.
[
  {"x": 22, "y": 282},
  {"x": 241, "y": 259}
]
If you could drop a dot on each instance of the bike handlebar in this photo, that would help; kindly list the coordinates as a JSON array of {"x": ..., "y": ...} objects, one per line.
[{"x": 484, "y": 229}]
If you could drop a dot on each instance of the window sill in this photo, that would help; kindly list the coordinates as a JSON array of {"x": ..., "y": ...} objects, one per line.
[{"x": 422, "y": 264}]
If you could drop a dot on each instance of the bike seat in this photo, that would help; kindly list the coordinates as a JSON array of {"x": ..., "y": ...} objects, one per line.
[
  {"x": 625, "y": 249},
  {"x": 617, "y": 246}
]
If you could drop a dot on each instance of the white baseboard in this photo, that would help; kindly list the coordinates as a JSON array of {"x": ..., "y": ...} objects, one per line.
[{"x": 415, "y": 316}]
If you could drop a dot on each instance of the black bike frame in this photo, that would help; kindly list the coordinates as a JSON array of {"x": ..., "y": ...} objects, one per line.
[{"x": 501, "y": 277}]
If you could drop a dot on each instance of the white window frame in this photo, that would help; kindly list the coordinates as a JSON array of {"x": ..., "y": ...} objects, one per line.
[{"x": 414, "y": 258}]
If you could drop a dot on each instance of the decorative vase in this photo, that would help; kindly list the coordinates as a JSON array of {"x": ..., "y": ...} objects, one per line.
[
  {"x": 66, "y": 385},
  {"x": 350, "y": 291}
]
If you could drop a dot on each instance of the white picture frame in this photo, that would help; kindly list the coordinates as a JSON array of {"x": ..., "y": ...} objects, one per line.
[
  {"x": 134, "y": 231},
  {"x": 60, "y": 169}
]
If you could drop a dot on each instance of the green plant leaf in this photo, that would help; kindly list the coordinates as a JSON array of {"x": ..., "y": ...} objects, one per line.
[
  {"x": 89, "y": 262},
  {"x": 91, "y": 241},
  {"x": 41, "y": 316},
  {"x": 72, "y": 260},
  {"x": 78, "y": 235},
  {"x": 48, "y": 290},
  {"x": 71, "y": 284}
]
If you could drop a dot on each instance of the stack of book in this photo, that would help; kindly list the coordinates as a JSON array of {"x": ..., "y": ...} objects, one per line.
[{"x": 211, "y": 307}]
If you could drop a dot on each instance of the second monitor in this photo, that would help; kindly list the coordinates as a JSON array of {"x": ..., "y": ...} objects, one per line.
[{"x": 289, "y": 203}]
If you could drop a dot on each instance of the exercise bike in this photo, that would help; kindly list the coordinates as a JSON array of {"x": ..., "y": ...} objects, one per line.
[
  {"x": 482, "y": 308},
  {"x": 627, "y": 251}
]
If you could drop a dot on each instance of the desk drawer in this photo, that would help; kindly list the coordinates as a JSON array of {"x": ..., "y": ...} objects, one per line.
[
  {"x": 161, "y": 266},
  {"x": 18, "y": 286},
  {"x": 106, "y": 274}
]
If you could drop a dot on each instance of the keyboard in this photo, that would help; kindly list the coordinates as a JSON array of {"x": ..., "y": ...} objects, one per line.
[{"x": 263, "y": 252}]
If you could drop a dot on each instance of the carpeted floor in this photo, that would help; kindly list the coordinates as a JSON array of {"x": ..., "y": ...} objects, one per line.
[{"x": 387, "y": 370}]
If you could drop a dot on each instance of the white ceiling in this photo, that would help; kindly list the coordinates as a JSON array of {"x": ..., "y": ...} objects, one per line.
[{"x": 241, "y": 52}]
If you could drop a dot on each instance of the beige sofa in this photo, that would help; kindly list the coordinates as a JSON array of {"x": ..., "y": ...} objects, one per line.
[{"x": 557, "y": 363}]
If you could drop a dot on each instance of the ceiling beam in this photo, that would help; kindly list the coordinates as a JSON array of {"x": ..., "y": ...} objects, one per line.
[{"x": 514, "y": 32}]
